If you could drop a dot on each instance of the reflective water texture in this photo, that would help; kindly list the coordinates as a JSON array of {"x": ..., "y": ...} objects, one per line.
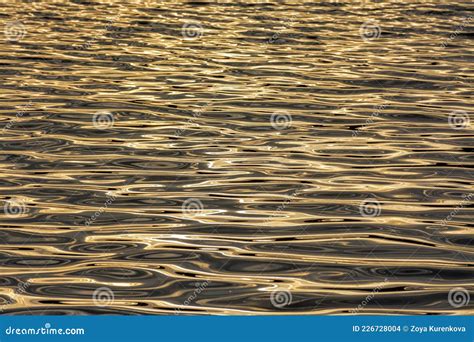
[{"x": 265, "y": 159}]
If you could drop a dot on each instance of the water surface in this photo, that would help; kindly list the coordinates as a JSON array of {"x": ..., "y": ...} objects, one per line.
[{"x": 160, "y": 158}]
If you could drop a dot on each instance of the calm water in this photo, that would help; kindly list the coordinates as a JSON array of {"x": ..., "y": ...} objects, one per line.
[{"x": 162, "y": 158}]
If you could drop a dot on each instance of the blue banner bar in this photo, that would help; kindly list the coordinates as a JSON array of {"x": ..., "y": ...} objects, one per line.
[{"x": 237, "y": 328}]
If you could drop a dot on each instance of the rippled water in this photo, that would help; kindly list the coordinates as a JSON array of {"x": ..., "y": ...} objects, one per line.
[{"x": 161, "y": 158}]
